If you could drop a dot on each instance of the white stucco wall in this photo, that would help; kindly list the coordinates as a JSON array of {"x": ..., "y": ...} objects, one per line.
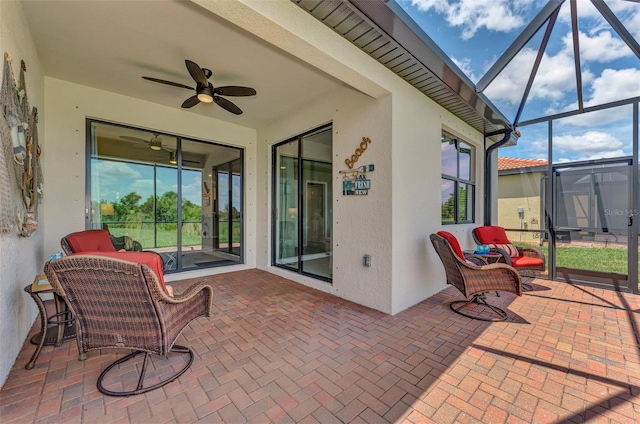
[
  {"x": 361, "y": 224},
  {"x": 69, "y": 105},
  {"x": 417, "y": 128},
  {"x": 410, "y": 211},
  {"x": 20, "y": 258}
]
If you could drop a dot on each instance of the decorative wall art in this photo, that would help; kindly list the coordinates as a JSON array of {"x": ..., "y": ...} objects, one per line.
[
  {"x": 355, "y": 181},
  {"x": 21, "y": 177}
]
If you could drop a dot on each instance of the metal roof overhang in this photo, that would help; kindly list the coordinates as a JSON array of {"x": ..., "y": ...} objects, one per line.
[{"x": 385, "y": 32}]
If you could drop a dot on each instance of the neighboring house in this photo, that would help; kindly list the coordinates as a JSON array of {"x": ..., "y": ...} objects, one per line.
[
  {"x": 520, "y": 190},
  {"x": 363, "y": 85}
]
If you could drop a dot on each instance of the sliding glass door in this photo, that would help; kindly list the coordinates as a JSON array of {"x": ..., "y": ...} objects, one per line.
[
  {"x": 158, "y": 191},
  {"x": 303, "y": 191}
]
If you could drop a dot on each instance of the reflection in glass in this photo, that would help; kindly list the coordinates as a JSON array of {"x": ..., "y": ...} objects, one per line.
[
  {"x": 449, "y": 152},
  {"x": 465, "y": 202},
  {"x": 448, "y": 201},
  {"x": 458, "y": 174},
  {"x": 157, "y": 189},
  {"x": 465, "y": 162},
  {"x": 303, "y": 191},
  {"x": 286, "y": 190}
]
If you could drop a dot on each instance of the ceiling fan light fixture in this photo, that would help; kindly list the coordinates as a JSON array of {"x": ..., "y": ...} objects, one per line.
[
  {"x": 155, "y": 143},
  {"x": 172, "y": 159},
  {"x": 205, "y": 95}
]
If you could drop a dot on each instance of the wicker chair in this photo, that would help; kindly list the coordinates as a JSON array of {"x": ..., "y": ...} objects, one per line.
[
  {"x": 527, "y": 260},
  {"x": 474, "y": 281},
  {"x": 120, "y": 304}
]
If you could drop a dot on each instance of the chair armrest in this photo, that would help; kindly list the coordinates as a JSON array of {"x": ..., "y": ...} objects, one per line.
[
  {"x": 177, "y": 312},
  {"x": 491, "y": 277},
  {"x": 531, "y": 251},
  {"x": 476, "y": 259},
  {"x": 506, "y": 258}
]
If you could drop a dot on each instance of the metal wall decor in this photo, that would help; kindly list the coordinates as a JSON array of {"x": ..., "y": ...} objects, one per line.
[
  {"x": 364, "y": 144},
  {"x": 355, "y": 181},
  {"x": 20, "y": 172}
]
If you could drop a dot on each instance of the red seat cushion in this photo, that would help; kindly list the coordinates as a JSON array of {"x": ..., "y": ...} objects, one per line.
[
  {"x": 491, "y": 234},
  {"x": 525, "y": 261},
  {"x": 453, "y": 241},
  {"x": 154, "y": 261},
  {"x": 90, "y": 241}
]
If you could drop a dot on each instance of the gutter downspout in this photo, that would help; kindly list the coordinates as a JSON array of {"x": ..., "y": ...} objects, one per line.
[{"x": 487, "y": 174}]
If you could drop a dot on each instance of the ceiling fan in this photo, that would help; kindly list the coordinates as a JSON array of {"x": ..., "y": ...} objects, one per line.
[
  {"x": 206, "y": 92},
  {"x": 155, "y": 143}
]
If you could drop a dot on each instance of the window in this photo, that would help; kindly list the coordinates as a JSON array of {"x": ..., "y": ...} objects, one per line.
[
  {"x": 179, "y": 197},
  {"x": 458, "y": 182}
]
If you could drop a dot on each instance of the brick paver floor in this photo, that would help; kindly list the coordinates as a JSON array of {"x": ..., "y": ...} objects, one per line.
[{"x": 276, "y": 351}]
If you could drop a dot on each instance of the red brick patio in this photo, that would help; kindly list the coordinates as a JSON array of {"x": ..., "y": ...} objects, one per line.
[{"x": 277, "y": 351}]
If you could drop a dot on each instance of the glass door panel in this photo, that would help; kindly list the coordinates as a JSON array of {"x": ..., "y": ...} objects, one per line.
[
  {"x": 316, "y": 207},
  {"x": 227, "y": 216},
  {"x": 286, "y": 195},
  {"x": 191, "y": 164},
  {"x": 591, "y": 222}
]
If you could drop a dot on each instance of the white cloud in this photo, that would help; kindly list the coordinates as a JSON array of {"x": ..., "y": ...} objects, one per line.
[
  {"x": 614, "y": 85},
  {"x": 610, "y": 86},
  {"x": 602, "y": 47},
  {"x": 633, "y": 24},
  {"x": 465, "y": 66},
  {"x": 555, "y": 77},
  {"x": 594, "y": 156},
  {"x": 472, "y": 15},
  {"x": 590, "y": 145}
]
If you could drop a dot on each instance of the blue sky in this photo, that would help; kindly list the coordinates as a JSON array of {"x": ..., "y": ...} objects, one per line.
[
  {"x": 474, "y": 33},
  {"x": 114, "y": 180}
]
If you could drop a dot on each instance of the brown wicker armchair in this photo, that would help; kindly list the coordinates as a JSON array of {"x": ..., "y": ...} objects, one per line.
[
  {"x": 121, "y": 304},
  {"x": 474, "y": 281}
]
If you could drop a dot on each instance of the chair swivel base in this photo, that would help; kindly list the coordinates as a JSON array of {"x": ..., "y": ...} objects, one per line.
[
  {"x": 140, "y": 387},
  {"x": 458, "y": 306}
]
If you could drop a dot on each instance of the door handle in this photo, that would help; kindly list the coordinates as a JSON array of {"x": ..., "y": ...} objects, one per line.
[{"x": 567, "y": 229}]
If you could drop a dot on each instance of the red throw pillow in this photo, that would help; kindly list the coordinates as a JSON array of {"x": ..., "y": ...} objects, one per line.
[
  {"x": 453, "y": 241},
  {"x": 90, "y": 241}
]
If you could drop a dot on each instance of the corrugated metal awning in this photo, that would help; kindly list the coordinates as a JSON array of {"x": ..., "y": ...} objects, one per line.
[{"x": 385, "y": 32}]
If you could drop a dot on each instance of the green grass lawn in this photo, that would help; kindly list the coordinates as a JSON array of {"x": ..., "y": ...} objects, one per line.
[
  {"x": 605, "y": 259},
  {"x": 166, "y": 234}
]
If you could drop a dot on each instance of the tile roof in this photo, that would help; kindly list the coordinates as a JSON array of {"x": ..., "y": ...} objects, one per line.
[{"x": 515, "y": 163}]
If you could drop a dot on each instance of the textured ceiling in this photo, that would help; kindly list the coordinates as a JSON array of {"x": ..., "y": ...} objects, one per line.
[{"x": 110, "y": 45}]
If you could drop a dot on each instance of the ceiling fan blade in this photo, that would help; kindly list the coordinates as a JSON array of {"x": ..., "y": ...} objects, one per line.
[
  {"x": 175, "y": 84},
  {"x": 226, "y": 104},
  {"x": 136, "y": 139},
  {"x": 234, "y": 90},
  {"x": 190, "y": 102},
  {"x": 196, "y": 73}
]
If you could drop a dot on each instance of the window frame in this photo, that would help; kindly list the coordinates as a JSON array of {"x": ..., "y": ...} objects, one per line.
[{"x": 458, "y": 181}]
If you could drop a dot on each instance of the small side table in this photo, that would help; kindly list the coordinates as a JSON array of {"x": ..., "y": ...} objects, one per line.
[
  {"x": 55, "y": 329},
  {"x": 490, "y": 257}
]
